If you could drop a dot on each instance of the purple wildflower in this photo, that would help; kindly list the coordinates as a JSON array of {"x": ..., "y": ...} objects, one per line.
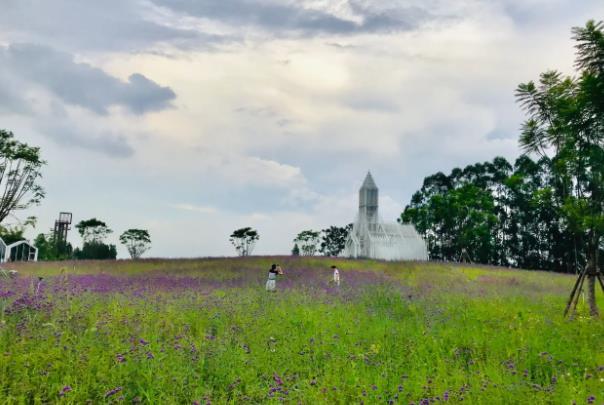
[
  {"x": 113, "y": 392},
  {"x": 591, "y": 399},
  {"x": 65, "y": 390},
  {"x": 120, "y": 358},
  {"x": 277, "y": 379}
]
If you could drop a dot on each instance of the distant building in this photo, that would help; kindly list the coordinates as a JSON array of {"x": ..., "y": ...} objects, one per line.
[
  {"x": 372, "y": 238},
  {"x": 20, "y": 251}
]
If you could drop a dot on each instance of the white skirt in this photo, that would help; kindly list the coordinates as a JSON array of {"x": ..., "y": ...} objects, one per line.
[{"x": 271, "y": 285}]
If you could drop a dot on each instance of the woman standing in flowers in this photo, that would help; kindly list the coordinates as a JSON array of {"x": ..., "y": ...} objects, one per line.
[
  {"x": 271, "y": 283},
  {"x": 336, "y": 275}
]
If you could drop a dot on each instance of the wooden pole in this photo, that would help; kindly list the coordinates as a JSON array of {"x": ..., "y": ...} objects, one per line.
[
  {"x": 578, "y": 295},
  {"x": 599, "y": 275},
  {"x": 572, "y": 294}
]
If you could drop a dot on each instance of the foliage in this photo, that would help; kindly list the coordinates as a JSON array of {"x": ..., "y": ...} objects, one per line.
[
  {"x": 51, "y": 249},
  {"x": 95, "y": 251},
  {"x": 244, "y": 240},
  {"x": 566, "y": 120},
  {"x": 137, "y": 241},
  {"x": 16, "y": 232},
  {"x": 308, "y": 241},
  {"x": 296, "y": 250},
  {"x": 20, "y": 172},
  {"x": 538, "y": 214},
  {"x": 93, "y": 230},
  {"x": 175, "y": 332},
  {"x": 334, "y": 239}
]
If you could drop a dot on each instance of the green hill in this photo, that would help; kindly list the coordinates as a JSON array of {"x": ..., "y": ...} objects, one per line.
[{"x": 205, "y": 330}]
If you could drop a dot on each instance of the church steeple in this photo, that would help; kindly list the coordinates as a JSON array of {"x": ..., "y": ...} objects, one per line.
[{"x": 368, "y": 200}]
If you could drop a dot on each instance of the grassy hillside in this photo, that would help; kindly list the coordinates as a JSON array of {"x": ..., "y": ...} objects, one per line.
[{"x": 205, "y": 331}]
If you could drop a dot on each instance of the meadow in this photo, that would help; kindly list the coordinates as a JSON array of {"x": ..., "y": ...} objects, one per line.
[{"x": 205, "y": 331}]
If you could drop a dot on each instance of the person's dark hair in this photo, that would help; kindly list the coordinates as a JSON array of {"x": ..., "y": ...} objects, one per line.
[
  {"x": 333, "y": 267},
  {"x": 273, "y": 267}
]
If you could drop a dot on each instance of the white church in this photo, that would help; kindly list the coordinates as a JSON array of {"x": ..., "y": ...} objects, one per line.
[{"x": 373, "y": 238}]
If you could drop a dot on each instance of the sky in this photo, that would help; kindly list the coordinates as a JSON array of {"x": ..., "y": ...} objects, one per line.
[{"x": 195, "y": 118}]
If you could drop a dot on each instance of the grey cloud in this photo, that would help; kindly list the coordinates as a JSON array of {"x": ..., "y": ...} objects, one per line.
[
  {"x": 282, "y": 17},
  {"x": 81, "y": 84},
  {"x": 11, "y": 99},
  {"x": 87, "y": 24},
  {"x": 110, "y": 144},
  {"x": 500, "y": 133},
  {"x": 371, "y": 102}
]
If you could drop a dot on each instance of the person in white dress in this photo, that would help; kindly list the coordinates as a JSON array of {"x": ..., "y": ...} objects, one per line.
[
  {"x": 336, "y": 275},
  {"x": 271, "y": 283}
]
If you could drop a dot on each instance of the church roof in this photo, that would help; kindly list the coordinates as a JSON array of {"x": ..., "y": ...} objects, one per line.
[{"x": 369, "y": 183}]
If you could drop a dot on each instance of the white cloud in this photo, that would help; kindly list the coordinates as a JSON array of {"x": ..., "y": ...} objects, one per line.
[
  {"x": 196, "y": 208},
  {"x": 274, "y": 122}
]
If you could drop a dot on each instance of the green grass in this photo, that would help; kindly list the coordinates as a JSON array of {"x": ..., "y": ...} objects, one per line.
[{"x": 405, "y": 332}]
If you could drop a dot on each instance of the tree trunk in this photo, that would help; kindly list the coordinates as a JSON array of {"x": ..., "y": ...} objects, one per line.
[
  {"x": 592, "y": 271},
  {"x": 591, "y": 295}
]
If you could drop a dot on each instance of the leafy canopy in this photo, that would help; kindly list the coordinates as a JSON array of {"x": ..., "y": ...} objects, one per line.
[
  {"x": 20, "y": 173},
  {"x": 137, "y": 241},
  {"x": 244, "y": 240},
  {"x": 93, "y": 230}
]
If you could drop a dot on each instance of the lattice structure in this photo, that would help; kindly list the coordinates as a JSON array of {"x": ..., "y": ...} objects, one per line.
[{"x": 370, "y": 237}]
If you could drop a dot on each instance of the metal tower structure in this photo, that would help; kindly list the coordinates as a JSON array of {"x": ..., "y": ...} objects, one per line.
[{"x": 62, "y": 226}]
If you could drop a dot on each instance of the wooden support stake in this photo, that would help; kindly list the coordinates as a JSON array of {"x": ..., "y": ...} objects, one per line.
[
  {"x": 578, "y": 295},
  {"x": 599, "y": 276},
  {"x": 572, "y": 294}
]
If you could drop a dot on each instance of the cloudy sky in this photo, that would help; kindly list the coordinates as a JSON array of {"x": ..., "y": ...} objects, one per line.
[{"x": 193, "y": 118}]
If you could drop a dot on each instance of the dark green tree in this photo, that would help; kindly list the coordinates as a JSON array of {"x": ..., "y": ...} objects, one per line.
[
  {"x": 93, "y": 233},
  {"x": 93, "y": 230},
  {"x": 51, "y": 249},
  {"x": 566, "y": 120},
  {"x": 137, "y": 241},
  {"x": 296, "y": 250},
  {"x": 244, "y": 240},
  {"x": 308, "y": 241},
  {"x": 333, "y": 239}
]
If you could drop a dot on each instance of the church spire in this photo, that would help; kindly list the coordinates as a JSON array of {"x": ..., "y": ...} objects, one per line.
[
  {"x": 368, "y": 200},
  {"x": 369, "y": 183}
]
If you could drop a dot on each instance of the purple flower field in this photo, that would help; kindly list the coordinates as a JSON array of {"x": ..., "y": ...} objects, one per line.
[{"x": 206, "y": 331}]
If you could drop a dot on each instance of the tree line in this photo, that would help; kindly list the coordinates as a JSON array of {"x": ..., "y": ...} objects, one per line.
[
  {"x": 94, "y": 233},
  {"x": 328, "y": 242},
  {"x": 546, "y": 209}
]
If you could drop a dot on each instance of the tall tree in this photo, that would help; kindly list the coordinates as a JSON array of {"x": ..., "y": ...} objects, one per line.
[
  {"x": 93, "y": 230},
  {"x": 308, "y": 241},
  {"x": 51, "y": 249},
  {"x": 333, "y": 239},
  {"x": 93, "y": 233},
  {"x": 20, "y": 173},
  {"x": 566, "y": 120},
  {"x": 244, "y": 240},
  {"x": 137, "y": 241}
]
